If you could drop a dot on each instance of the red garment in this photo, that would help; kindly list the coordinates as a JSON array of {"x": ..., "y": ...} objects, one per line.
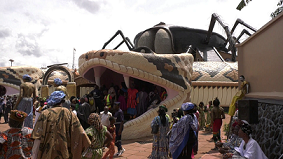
[
  {"x": 17, "y": 143},
  {"x": 217, "y": 125},
  {"x": 122, "y": 101},
  {"x": 234, "y": 124},
  {"x": 197, "y": 115},
  {"x": 132, "y": 94},
  {"x": 111, "y": 148}
]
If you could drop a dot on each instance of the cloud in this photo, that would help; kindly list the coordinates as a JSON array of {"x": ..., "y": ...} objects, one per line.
[
  {"x": 4, "y": 62},
  {"x": 90, "y": 6},
  {"x": 5, "y": 33},
  {"x": 42, "y": 32},
  {"x": 38, "y": 19},
  {"x": 28, "y": 45}
]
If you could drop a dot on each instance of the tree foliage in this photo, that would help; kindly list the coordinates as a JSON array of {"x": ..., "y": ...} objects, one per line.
[
  {"x": 243, "y": 3},
  {"x": 278, "y": 10}
]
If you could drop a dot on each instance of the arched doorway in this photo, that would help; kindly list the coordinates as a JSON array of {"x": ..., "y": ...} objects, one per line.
[
  {"x": 2, "y": 90},
  {"x": 55, "y": 68}
]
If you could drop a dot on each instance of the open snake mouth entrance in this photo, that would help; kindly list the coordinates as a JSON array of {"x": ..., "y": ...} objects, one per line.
[{"x": 108, "y": 77}]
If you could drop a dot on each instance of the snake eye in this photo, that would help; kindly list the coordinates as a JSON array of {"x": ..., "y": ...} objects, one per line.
[{"x": 101, "y": 54}]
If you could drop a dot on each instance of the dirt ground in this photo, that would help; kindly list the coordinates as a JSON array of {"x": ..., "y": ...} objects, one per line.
[{"x": 141, "y": 148}]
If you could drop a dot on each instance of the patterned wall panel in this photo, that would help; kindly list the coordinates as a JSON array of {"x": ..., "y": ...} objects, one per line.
[{"x": 206, "y": 93}]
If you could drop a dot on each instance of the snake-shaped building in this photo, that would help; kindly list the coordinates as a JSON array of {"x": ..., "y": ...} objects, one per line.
[{"x": 184, "y": 78}]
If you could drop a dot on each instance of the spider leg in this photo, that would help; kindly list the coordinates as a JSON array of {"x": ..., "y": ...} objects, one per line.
[
  {"x": 125, "y": 40},
  {"x": 244, "y": 31},
  {"x": 240, "y": 21},
  {"x": 232, "y": 48}
]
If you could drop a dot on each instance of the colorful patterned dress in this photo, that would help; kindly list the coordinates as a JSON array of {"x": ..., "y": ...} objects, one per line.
[
  {"x": 238, "y": 96},
  {"x": 17, "y": 143},
  {"x": 111, "y": 148},
  {"x": 234, "y": 141},
  {"x": 202, "y": 118},
  {"x": 97, "y": 139},
  {"x": 160, "y": 145}
]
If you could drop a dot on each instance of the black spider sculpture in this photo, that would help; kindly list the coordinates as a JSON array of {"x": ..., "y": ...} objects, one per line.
[{"x": 184, "y": 39}]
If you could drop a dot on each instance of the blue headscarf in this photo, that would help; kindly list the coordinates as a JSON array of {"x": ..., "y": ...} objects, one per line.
[
  {"x": 187, "y": 106},
  {"x": 27, "y": 77},
  {"x": 55, "y": 98},
  {"x": 58, "y": 81}
]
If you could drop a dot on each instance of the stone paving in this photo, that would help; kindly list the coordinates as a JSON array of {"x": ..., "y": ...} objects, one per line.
[{"x": 141, "y": 148}]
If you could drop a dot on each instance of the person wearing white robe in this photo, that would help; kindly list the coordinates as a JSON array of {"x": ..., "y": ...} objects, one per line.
[
  {"x": 251, "y": 151},
  {"x": 249, "y": 148}
]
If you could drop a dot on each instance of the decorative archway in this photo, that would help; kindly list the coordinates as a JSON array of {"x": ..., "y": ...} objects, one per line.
[{"x": 55, "y": 68}]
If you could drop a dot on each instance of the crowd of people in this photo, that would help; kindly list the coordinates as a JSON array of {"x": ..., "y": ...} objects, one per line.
[
  {"x": 83, "y": 127},
  {"x": 134, "y": 101},
  {"x": 6, "y": 105},
  {"x": 63, "y": 127},
  {"x": 178, "y": 138}
]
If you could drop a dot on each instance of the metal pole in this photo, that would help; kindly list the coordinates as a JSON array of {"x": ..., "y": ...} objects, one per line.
[
  {"x": 74, "y": 52},
  {"x": 11, "y": 62}
]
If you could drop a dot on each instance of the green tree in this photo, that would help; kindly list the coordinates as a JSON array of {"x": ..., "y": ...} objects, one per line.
[
  {"x": 278, "y": 10},
  {"x": 243, "y": 3}
]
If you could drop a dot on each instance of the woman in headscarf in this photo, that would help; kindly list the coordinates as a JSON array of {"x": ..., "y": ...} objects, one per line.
[
  {"x": 249, "y": 148},
  {"x": 99, "y": 137},
  {"x": 183, "y": 134},
  {"x": 244, "y": 89},
  {"x": 59, "y": 131},
  {"x": 26, "y": 99},
  {"x": 160, "y": 142},
  {"x": 59, "y": 87},
  {"x": 16, "y": 142},
  {"x": 232, "y": 142}
]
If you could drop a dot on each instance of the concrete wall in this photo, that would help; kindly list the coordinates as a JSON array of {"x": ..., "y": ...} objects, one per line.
[{"x": 260, "y": 59}]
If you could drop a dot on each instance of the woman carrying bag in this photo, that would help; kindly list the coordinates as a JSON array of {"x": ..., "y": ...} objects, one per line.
[{"x": 160, "y": 128}]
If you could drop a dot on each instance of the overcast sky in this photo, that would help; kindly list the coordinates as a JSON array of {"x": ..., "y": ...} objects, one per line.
[{"x": 41, "y": 33}]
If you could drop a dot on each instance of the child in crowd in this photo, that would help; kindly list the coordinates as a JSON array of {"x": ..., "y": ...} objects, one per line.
[
  {"x": 208, "y": 126},
  {"x": 111, "y": 147},
  {"x": 202, "y": 116}
]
